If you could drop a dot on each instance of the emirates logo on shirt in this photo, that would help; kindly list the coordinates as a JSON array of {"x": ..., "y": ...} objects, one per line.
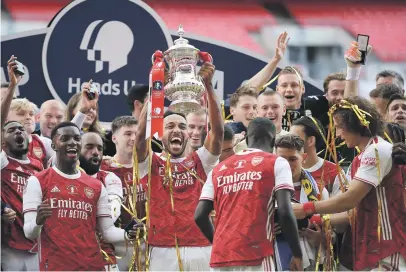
[
  {"x": 89, "y": 192},
  {"x": 72, "y": 190}
]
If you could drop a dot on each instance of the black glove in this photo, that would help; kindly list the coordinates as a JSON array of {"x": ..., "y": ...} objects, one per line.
[{"x": 399, "y": 153}]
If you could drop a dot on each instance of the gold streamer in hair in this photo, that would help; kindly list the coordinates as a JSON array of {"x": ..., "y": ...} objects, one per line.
[{"x": 361, "y": 114}]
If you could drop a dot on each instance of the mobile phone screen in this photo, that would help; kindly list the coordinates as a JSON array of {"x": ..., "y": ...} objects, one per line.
[{"x": 363, "y": 42}]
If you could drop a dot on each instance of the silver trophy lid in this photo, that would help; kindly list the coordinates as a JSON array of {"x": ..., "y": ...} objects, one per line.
[{"x": 181, "y": 42}]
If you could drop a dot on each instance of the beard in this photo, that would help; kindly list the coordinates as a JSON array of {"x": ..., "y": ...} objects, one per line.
[
  {"x": 89, "y": 167},
  {"x": 18, "y": 152}
]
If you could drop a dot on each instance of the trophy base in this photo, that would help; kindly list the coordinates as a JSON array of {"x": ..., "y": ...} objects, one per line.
[{"x": 185, "y": 106}]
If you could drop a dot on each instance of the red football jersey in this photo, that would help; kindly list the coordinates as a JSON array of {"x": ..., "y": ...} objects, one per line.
[
  {"x": 324, "y": 172},
  {"x": 388, "y": 190},
  {"x": 36, "y": 150},
  {"x": 164, "y": 225},
  {"x": 68, "y": 238},
  {"x": 125, "y": 173},
  {"x": 242, "y": 188},
  {"x": 14, "y": 175}
]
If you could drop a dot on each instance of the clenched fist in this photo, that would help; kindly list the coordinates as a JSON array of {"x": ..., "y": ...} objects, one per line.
[{"x": 207, "y": 72}]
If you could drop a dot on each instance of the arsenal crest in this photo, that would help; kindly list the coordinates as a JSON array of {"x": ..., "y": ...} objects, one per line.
[
  {"x": 72, "y": 190},
  {"x": 37, "y": 152},
  {"x": 89, "y": 192},
  {"x": 256, "y": 160}
]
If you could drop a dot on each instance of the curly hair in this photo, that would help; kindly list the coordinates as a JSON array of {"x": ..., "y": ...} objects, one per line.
[{"x": 351, "y": 122}]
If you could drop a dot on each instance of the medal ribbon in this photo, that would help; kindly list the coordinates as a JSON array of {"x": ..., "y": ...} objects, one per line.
[{"x": 157, "y": 76}]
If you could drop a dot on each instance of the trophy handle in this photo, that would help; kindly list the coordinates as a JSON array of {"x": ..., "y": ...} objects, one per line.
[{"x": 205, "y": 57}]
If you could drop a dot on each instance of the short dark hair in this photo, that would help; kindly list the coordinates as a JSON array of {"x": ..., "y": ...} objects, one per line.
[
  {"x": 334, "y": 76},
  {"x": 260, "y": 128},
  {"x": 385, "y": 91},
  {"x": 122, "y": 121},
  {"x": 290, "y": 141},
  {"x": 393, "y": 98},
  {"x": 391, "y": 73},
  {"x": 310, "y": 129},
  {"x": 137, "y": 92},
  {"x": 228, "y": 133},
  {"x": 169, "y": 113},
  {"x": 351, "y": 122},
  {"x": 62, "y": 125}
]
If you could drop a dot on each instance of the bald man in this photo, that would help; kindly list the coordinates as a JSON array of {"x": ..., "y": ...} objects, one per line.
[{"x": 51, "y": 114}]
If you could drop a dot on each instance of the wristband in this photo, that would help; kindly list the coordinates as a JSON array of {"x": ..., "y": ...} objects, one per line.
[
  {"x": 309, "y": 208},
  {"x": 353, "y": 73},
  {"x": 316, "y": 219}
]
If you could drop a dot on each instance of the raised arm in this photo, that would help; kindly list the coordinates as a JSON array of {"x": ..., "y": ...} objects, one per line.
[
  {"x": 351, "y": 56},
  {"x": 85, "y": 105},
  {"x": 262, "y": 77},
  {"x": 8, "y": 95},
  {"x": 140, "y": 141},
  {"x": 214, "y": 141}
]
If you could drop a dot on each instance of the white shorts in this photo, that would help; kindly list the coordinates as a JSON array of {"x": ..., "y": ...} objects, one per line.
[
  {"x": 267, "y": 265},
  {"x": 193, "y": 258},
  {"x": 112, "y": 267},
  {"x": 125, "y": 255},
  {"x": 18, "y": 260}
]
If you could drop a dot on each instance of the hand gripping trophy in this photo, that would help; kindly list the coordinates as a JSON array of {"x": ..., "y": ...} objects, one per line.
[{"x": 184, "y": 87}]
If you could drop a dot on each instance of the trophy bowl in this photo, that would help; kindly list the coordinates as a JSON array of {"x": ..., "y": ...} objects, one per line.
[{"x": 185, "y": 87}]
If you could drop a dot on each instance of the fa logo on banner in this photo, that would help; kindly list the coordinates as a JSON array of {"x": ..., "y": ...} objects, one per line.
[
  {"x": 157, "y": 85},
  {"x": 101, "y": 42}
]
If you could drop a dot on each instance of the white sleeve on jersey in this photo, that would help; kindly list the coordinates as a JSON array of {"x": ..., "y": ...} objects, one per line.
[
  {"x": 109, "y": 232},
  {"x": 113, "y": 185},
  {"x": 103, "y": 205},
  {"x": 368, "y": 172},
  {"x": 79, "y": 119},
  {"x": 32, "y": 198},
  {"x": 4, "y": 160},
  {"x": 283, "y": 175},
  {"x": 209, "y": 161},
  {"x": 143, "y": 167},
  {"x": 208, "y": 188},
  {"x": 114, "y": 189},
  {"x": 49, "y": 152}
]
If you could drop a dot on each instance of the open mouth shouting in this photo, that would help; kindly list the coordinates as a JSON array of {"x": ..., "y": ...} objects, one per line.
[
  {"x": 95, "y": 160},
  {"x": 72, "y": 152},
  {"x": 289, "y": 97},
  {"x": 401, "y": 118},
  {"x": 19, "y": 139},
  {"x": 176, "y": 142}
]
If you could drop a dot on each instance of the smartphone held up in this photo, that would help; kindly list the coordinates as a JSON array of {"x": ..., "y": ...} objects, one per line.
[
  {"x": 363, "y": 47},
  {"x": 91, "y": 93}
]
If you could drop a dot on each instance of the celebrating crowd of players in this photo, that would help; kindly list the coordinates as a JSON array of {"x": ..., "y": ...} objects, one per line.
[{"x": 215, "y": 196}]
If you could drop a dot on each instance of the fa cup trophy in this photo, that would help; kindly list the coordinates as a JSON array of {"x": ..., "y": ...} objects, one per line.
[{"x": 184, "y": 88}]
